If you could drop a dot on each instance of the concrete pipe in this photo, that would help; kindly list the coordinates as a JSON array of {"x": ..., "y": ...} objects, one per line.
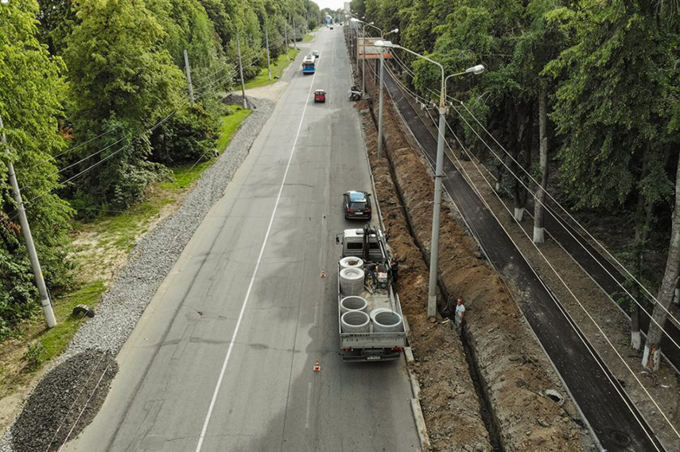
[
  {"x": 352, "y": 304},
  {"x": 378, "y": 311},
  {"x": 351, "y": 262},
  {"x": 355, "y": 322},
  {"x": 387, "y": 322},
  {"x": 351, "y": 281}
]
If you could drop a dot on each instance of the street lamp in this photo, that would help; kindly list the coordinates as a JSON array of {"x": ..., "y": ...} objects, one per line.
[
  {"x": 434, "y": 245},
  {"x": 363, "y": 50},
  {"x": 382, "y": 78}
]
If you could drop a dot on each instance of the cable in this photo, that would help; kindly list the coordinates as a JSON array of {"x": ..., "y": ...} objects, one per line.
[
  {"x": 560, "y": 221},
  {"x": 653, "y": 298},
  {"x": 471, "y": 183}
]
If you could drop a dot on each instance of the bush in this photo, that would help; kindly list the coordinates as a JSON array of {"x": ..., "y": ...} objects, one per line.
[{"x": 187, "y": 137}]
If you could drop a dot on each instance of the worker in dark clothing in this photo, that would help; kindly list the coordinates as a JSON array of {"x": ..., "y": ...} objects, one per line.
[
  {"x": 370, "y": 270},
  {"x": 394, "y": 268}
]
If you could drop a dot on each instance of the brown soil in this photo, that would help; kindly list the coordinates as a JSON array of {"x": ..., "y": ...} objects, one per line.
[
  {"x": 589, "y": 300},
  {"x": 97, "y": 259},
  {"x": 514, "y": 370},
  {"x": 448, "y": 398}
]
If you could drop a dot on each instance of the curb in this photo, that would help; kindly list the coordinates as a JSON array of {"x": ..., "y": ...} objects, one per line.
[{"x": 416, "y": 408}]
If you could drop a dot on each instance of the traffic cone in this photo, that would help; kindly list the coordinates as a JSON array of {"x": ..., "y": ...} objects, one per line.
[
  {"x": 323, "y": 273},
  {"x": 317, "y": 367}
]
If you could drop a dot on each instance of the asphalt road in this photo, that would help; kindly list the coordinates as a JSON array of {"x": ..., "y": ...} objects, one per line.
[
  {"x": 612, "y": 417},
  {"x": 222, "y": 358}
]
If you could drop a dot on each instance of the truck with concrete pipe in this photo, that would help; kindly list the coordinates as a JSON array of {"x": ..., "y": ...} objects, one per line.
[{"x": 370, "y": 320}]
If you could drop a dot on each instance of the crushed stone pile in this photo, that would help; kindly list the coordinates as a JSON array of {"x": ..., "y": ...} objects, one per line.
[{"x": 64, "y": 402}]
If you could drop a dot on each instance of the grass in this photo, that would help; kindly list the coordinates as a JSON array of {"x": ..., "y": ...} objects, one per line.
[
  {"x": 230, "y": 125},
  {"x": 54, "y": 341},
  {"x": 308, "y": 37},
  {"x": 99, "y": 247},
  {"x": 277, "y": 65}
]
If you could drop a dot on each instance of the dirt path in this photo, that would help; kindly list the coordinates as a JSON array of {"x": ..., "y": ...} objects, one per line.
[
  {"x": 514, "y": 372},
  {"x": 448, "y": 398}
]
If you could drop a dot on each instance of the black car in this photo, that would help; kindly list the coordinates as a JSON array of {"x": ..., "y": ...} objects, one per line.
[{"x": 357, "y": 205}]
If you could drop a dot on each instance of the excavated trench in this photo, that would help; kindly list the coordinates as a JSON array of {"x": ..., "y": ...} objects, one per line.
[{"x": 498, "y": 360}]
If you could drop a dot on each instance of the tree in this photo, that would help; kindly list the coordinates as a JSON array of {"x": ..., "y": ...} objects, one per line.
[
  {"x": 31, "y": 94},
  {"x": 122, "y": 81},
  {"x": 610, "y": 114}
]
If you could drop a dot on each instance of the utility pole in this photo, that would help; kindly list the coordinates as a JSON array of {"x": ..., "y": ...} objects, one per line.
[
  {"x": 30, "y": 246},
  {"x": 294, "y": 33},
  {"x": 380, "y": 108},
  {"x": 240, "y": 70},
  {"x": 363, "y": 59},
  {"x": 266, "y": 39},
  {"x": 188, "y": 70},
  {"x": 285, "y": 37}
]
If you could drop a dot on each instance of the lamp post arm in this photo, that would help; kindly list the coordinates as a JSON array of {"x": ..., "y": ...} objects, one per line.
[{"x": 442, "y": 94}]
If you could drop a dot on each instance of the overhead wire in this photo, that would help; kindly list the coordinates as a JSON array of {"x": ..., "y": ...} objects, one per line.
[
  {"x": 583, "y": 308},
  {"x": 559, "y": 220},
  {"x": 473, "y": 186}
]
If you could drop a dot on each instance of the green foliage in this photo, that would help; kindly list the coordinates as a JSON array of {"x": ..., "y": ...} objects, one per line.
[
  {"x": 121, "y": 81},
  {"x": 31, "y": 94},
  {"x": 230, "y": 125}
]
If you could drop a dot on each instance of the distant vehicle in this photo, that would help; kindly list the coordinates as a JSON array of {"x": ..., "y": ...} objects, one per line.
[
  {"x": 370, "y": 320},
  {"x": 315, "y": 53},
  {"x": 319, "y": 96},
  {"x": 309, "y": 65},
  {"x": 357, "y": 205},
  {"x": 331, "y": 27}
]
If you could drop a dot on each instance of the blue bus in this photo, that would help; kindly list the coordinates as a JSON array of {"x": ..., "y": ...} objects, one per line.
[{"x": 309, "y": 65}]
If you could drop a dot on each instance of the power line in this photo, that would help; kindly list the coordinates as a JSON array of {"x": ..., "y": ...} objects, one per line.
[
  {"x": 552, "y": 268},
  {"x": 560, "y": 221}
]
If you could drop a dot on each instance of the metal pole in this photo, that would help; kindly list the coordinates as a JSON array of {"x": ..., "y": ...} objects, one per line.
[
  {"x": 434, "y": 242},
  {"x": 356, "y": 51},
  {"x": 188, "y": 70},
  {"x": 285, "y": 37},
  {"x": 294, "y": 33},
  {"x": 240, "y": 69},
  {"x": 30, "y": 246},
  {"x": 266, "y": 39},
  {"x": 380, "y": 114},
  {"x": 363, "y": 59}
]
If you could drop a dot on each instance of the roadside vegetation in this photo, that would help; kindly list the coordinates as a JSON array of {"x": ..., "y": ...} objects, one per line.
[
  {"x": 583, "y": 96},
  {"x": 98, "y": 249},
  {"x": 278, "y": 64},
  {"x": 102, "y": 133}
]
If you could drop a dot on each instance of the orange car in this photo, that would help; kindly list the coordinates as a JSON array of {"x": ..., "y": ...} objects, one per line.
[{"x": 319, "y": 96}]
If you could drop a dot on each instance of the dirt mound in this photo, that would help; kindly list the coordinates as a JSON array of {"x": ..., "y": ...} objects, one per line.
[
  {"x": 450, "y": 404},
  {"x": 64, "y": 402},
  {"x": 515, "y": 372}
]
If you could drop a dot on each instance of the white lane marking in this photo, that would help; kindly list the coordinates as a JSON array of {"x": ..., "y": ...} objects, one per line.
[
  {"x": 309, "y": 403},
  {"x": 257, "y": 266}
]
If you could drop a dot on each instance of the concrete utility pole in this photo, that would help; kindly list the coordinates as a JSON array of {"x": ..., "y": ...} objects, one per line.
[
  {"x": 363, "y": 59},
  {"x": 266, "y": 39},
  {"x": 285, "y": 37},
  {"x": 380, "y": 115},
  {"x": 30, "y": 246},
  {"x": 240, "y": 70},
  {"x": 294, "y": 33},
  {"x": 188, "y": 70}
]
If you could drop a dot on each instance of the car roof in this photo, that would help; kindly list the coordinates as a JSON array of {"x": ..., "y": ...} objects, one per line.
[
  {"x": 356, "y": 196},
  {"x": 320, "y": 90}
]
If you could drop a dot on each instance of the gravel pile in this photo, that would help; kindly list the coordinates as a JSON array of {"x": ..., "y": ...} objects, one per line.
[
  {"x": 64, "y": 402},
  {"x": 149, "y": 263}
]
